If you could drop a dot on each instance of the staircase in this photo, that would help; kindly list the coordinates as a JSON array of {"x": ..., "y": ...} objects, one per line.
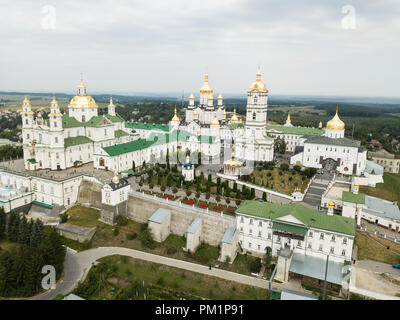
[{"x": 317, "y": 188}]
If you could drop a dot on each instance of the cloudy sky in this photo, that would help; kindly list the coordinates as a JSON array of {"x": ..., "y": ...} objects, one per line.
[{"x": 127, "y": 46}]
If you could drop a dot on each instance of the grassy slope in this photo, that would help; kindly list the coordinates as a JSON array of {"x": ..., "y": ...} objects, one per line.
[
  {"x": 175, "y": 279},
  {"x": 371, "y": 250},
  {"x": 390, "y": 190}
]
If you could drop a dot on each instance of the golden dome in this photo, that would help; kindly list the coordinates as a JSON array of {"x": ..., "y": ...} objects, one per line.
[
  {"x": 115, "y": 179},
  {"x": 234, "y": 118},
  {"x": 331, "y": 204},
  {"x": 356, "y": 184},
  {"x": 335, "y": 123},
  {"x": 205, "y": 88},
  {"x": 210, "y": 97},
  {"x": 215, "y": 122},
  {"x": 320, "y": 124},
  {"x": 175, "y": 118},
  {"x": 191, "y": 96},
  {"x": 220, "y": 97},
  {"x": 26, "y": 100},
  {"x": 81, "y": 101},
  {"x": 258, "y": 85}
]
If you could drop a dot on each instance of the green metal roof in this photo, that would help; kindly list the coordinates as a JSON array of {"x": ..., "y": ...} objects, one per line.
[
  {"x": 116, "y": 118},
  {"x": 74, "y": 141},
  {"x": 353, "y": 198},
  {"x": 131, "y": 146},
  {"x": 96, "y": 121},
  {"x": 120, "y": 133},
  {"x": 311, "y": 218},
  {"x": 297, "y": 130},
  {"x": 290, "y": 228},
  {"x": 149, "y": 126},
  {"x": 70, "y": 122},
  {"x": 32, "y": 160},
  {"x": 42, "y": 204}
]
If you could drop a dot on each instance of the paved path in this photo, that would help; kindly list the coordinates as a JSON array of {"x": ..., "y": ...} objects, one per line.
[
  {"x": 375, "y": 266},
  {"x": 77, "y": 265}
]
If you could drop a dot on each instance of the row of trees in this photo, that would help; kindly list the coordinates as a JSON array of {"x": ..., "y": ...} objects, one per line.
[{"x": 21, "y": 266}]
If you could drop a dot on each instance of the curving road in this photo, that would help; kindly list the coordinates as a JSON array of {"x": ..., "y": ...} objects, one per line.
[{"x": 77, "y": 265}]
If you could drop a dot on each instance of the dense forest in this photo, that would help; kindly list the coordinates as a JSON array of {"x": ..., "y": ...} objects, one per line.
[{"x": 21, "y": 265}]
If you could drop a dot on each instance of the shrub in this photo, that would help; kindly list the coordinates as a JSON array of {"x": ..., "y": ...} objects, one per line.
[
  {"x": 207, "y": 195},
  {"x": 227, "y": 200},
  {"x": 238, "y": 202},
  {"x": 174, "y": 190},
  {"x": 121, "y": 220},
  {"x": 116, "y": 232},
  {"x": 218, "y": 198},
  {"x": 284, "y": 166},
  {"x": 255, "y": 265},
  {"x": 151, "y": 186},
  {"x": 171, "y": 250},
  {"x": 141, "y": 183},
  {"x": 297, "y": 168},
  {"x": 64, "y": 217},
  {"x": 163, "y": 188},
  {"x": 131, "y": 236},
  {"x": 188, "y": 193}
]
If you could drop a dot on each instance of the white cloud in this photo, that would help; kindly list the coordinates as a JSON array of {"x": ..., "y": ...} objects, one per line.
[{"x": 165, "y": 46}]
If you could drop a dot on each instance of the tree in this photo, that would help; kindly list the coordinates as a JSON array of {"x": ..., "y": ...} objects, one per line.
[
  {"x": 264, "y": 196},
  {"x": 209, "y": 177},
  {"x": 2, "y": 223},
  {"x": 12, "y": 227},
  {"x": 284, "y": 166},
  {"x": 133, "y": 166},
  {"x": 167, "y": 160},
  {"x": 297, "y": 168}
]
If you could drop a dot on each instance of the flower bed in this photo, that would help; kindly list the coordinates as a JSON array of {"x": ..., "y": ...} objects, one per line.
[
  {"x": 203, "y": 205},
  {"x": 167, "y": 196},
  {"x": 217, "y": 208},
  {"x": 232, "y": 211},
  {"x": 189, "y": 201}
]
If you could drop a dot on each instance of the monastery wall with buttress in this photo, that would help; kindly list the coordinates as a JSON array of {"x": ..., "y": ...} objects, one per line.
[{"x": 140, "y": 208}]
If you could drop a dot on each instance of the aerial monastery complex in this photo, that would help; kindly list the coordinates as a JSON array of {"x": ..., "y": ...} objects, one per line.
[{"x": 55, "y": 150}]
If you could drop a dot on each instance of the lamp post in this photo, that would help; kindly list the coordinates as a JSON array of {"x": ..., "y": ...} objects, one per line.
[{"x": 326, "y": 275}]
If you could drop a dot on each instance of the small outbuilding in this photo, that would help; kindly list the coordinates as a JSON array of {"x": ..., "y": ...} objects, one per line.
[
  {"x": 229, "y": 245},
  {"x": 193, "y": 235},
  {"x": 160, "y": 224}
]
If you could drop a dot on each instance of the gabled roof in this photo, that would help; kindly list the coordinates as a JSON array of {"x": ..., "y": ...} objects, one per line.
[
  {"x": 116, "y": 118},
  {"x": 120, "y": 133},
  {"x": 311, "y": 218},
  {"x": 341, "y": 142}
]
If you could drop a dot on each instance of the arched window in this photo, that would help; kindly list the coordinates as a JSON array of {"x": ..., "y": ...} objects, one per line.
[
  {"x": 255, "y": 99},
  {"x": 83, "y": 118},
  {"x": 254, "y": 116}
]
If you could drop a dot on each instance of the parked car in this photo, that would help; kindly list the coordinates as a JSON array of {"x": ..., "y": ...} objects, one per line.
[{"x": 396, "y": 265}]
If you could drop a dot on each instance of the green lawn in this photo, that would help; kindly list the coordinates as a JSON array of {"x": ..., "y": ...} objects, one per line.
[
  {"x": 389, "y": 190},
  {"x": 285, "y": 183},
  {"x": 84, "y": 216},
  {"x": 136, "y": 279},
  {"x": 371, "y": 250}
]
